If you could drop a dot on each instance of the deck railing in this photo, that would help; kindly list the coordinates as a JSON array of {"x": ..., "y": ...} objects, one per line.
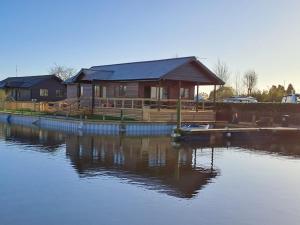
[
  {"x": 139, "y": 109},
  {"x": 140, "y": 103}
]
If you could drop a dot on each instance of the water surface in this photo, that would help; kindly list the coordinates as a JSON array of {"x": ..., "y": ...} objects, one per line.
[{"x": 49, "y": 177}]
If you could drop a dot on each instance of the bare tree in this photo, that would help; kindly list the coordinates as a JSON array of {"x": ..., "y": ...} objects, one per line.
[
  {"x": 222, "y": 71},
  {"x": 237, "y": 84},
  {"x": 62, "y": 72},
  {"x": 250, "y": 80}
]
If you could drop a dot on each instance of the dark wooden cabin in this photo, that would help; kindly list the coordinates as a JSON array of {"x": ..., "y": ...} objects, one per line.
[
  {"x": 160, "y": 79},
  {"x": 34, "y": 88}
]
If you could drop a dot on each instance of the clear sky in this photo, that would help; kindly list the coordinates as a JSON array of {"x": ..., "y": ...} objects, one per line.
[{"x": 263, "y": 35}]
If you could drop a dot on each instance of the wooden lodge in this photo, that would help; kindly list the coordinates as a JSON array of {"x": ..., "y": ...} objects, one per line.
[
  {"x": 157, "y": 84},
  {"x": 32, "y": 89}
]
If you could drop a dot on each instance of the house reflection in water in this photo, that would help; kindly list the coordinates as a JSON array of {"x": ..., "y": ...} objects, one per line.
[
  {"x": 148, "y": 161},
  {"x": 47, "y": 141},
  {"x": 151, "y": 162}
]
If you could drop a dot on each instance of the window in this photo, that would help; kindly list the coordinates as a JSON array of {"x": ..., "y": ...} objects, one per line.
[
  {"x": 81, "y": 91},
  {"x": 44, "y": 92},
  {"x": 164, "y": 93},
  {"x": 122, "y": 90},
  {"x": 100, "y": 91},
  {"x": 59, "y": 93},
  {"x": 97, "y": 92},
  {"x": 184, "y": 92},
  {"x": 155, "y": 92}
]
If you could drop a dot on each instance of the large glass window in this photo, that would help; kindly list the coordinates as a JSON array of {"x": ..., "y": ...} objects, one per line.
[
  {"x": 122, "y": 90},
  {"x": 97, "y": 91},
  {"x": 164, "y": 93},
  {"x": 59, "y": 93},
  {"x": 155, "y": 92},
  {"x": 184, "y": 92},
  {"x": 44, "y": 92},
  {"x": 100, "y": 91}
]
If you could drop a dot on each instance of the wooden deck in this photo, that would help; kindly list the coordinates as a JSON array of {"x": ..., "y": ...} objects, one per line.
[
  {"x": 195, "y": 131},
  {"x": 196, "y": 134},
  {"x": 137, "y": 109}
]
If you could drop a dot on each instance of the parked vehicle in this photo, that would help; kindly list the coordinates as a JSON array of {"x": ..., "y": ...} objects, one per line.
[
  {"x": 293, "y": 98},
  {"x": 240, "y": 99}
]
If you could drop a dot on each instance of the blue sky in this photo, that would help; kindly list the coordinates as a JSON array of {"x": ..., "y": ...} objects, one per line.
[{"x": 262, "y": 35}]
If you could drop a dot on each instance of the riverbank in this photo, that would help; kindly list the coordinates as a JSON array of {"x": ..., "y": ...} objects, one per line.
[{"x": 74, "y": 125}]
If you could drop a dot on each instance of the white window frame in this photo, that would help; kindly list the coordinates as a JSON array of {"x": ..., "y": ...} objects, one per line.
[{"x": 44, "y": 92}]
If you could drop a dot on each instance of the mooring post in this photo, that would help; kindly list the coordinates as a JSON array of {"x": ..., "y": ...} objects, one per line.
[
  {"x": 212, "y": 158},
  {"x": 93, "y": 98},
  {"x": 215, "y": 93},
  {"x": 195, "y": 158},
  {"x": 122, "y": 116},
  {"x": 179, "y": 107},
  {"x": 159, "y": 87},
  {"x": 197, "y": 100},
  {"x": 179, "y": 114}
]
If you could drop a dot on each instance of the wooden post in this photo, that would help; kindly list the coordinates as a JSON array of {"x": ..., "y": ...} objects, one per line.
[
  {"x": 93, "y": 98},
  {"x": 195, "y": 158},
  {"x": 78, "y": 96},
  {"x": 197, "y": 100},
  {"x": 158, "y": 102},
  {"x": 179, "y": 106},
  {"x": 212, "y": 159},
  {"x": 121, "y": 115}
]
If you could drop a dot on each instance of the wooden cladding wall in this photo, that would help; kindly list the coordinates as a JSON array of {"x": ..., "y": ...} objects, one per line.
[
  {"x": 72, "y": 91},
  {"x": 133, "y": 89},
  {"x": 189, "y": 72},
  {"x": 201, "y": 116},
  {"x": 114, "y": 89},
  {"x": 52, "y": 85},
  {"x": 172, "y": 88}
]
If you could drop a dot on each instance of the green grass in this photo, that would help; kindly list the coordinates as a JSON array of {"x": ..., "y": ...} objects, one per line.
[
  {"x": 24, "y": 112},
  {"x": 29, "y": 112}
]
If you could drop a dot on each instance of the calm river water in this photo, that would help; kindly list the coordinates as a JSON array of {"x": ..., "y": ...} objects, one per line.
[{"x": 49, "y": 178}]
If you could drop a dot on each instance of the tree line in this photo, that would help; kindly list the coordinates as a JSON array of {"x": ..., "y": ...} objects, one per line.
[{"x": 246, "y": 86}]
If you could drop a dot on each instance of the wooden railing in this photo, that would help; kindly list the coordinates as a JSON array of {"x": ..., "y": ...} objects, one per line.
[
  {"x": 139, "y": 103},
  {"x": 75, "y": 104},
  {"x": 139, "y": 109}
]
